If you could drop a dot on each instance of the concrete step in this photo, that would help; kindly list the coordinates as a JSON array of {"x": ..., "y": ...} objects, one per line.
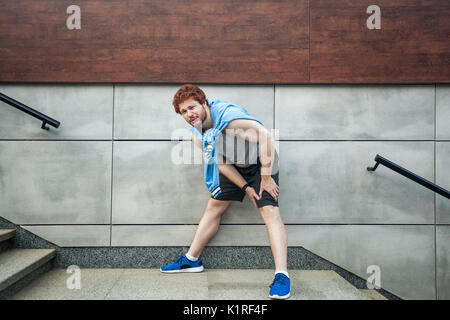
[
  {"x": 6, "y": 239},
  {"x": 6, "y": 234},
  {"x": 16, "y": 264},
  {"x": 212, "y": 284},
  {"x": 373, "y": 294}
]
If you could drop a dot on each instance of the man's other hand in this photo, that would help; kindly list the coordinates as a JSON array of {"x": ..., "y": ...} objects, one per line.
[
  {"x": 269, "y": 185},
  {"x": 251, "y": 193}
]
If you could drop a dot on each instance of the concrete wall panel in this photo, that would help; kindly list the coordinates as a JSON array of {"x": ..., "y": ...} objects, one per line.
[
  {"x": 404, "y": 254},
  {"x": 146, "y": 112},
  {"x": 84, "y": 111},
  {"x": 443, "y": 262},
  {"x": 74, "y": 236},
  {"x": 55, "y": 182},
  {"x": 355, "y": 112},
  {"x": 327, "y": 182},
  {"x": 149, "y": 188},
  {"x": 443, "y": 112},
  {"x": 177, "y": 235}
]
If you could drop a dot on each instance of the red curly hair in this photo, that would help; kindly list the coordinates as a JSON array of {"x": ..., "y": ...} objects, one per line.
[{"x": 186, "y": 92}]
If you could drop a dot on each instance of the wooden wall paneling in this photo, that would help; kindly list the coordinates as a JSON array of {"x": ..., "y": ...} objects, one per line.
[
  {"x": 413, "y": 44},
  {"x": 155, "y": 41}
]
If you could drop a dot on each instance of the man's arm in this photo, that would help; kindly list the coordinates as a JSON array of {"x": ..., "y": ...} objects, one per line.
[
  {"x": 253, "y": 131},
  {"x": 197, "y": 143},
  {"x": 226, "y": 169},
  {"x": 232, "y": 174}
]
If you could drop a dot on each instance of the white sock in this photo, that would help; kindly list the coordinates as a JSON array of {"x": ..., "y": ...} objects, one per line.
[
  {"x": 283, "y": 272},
  {"x": 192, "y": 258}
]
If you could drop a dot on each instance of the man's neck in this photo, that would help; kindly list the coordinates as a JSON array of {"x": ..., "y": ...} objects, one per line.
[{"x": 207, "y": 123}]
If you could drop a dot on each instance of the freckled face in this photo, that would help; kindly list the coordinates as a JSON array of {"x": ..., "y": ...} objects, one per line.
[{"x": 193, "y": 112}]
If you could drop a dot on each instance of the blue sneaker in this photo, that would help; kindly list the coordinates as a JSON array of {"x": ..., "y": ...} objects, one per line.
[
  {"x": 280, "y": 287},
  {"x": 183, "y": 264}
]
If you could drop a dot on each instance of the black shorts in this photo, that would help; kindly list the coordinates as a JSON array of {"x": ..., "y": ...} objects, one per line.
[{"x": 252, "y": 175}]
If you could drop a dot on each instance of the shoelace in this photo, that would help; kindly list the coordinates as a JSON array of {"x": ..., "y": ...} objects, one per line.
[
  {"x": 279, "y": 278},
  {"x": 179, "y": 259}
]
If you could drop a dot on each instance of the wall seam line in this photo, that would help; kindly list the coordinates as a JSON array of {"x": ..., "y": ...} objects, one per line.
[
  {"x": 435, "y": 221},
  {"x": 231, "y": 224},
  {"x": 112, "y": 169}
]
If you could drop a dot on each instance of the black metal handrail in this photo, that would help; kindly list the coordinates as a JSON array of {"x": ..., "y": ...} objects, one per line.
[
  {"x": 391, "y": 165},
  {"x": 16, "y": 104}
]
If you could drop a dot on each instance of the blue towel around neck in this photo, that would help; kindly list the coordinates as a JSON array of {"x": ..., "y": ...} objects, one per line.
[{"x": 222, "y": 113}]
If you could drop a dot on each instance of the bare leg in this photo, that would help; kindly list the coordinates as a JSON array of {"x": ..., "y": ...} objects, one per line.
[
  {"x": 208, "y": 226},
  {"x": 277, "y": 235}
]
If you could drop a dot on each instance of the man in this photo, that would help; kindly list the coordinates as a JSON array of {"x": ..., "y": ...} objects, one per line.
[{"x": 231, "y": 178}]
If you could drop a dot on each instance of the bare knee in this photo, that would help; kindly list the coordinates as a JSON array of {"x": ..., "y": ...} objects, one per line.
[
  {"x": 270, "y": 214},
  {"x": 216, "y": 208}
]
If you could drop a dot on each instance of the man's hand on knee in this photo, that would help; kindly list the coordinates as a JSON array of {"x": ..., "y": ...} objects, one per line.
[{"x": 251, "y": 193}]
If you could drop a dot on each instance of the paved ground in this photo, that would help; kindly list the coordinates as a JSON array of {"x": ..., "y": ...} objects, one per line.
[{"x": 214, "y": 284}]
